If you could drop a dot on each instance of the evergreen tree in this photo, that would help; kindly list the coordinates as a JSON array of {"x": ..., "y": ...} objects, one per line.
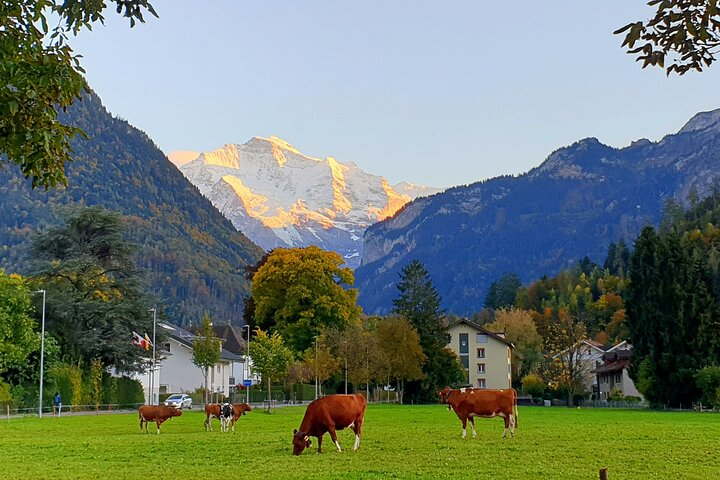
[
  {"x": 419, "y": 303},
  {"x": 503, "y": 292},
  {"x": 95, "y": 295}
]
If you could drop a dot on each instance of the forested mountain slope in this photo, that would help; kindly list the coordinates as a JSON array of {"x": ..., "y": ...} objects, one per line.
[
  {"x": 194, "y": 255},
  {"x": 578, "y": 201}
]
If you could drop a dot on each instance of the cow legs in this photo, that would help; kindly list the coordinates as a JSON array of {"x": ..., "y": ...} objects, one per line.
[
  {"x": 333, "y": 435},
  {"x": 512, "y": 425},
  {"x": 208, "y": 423},
  {"x": 472, "y": 424},
  {"x": 464, "y": 423},
  {"x": 506, "y": 419}
]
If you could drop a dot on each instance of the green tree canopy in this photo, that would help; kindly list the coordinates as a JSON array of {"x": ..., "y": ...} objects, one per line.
[
  {"x": 95, "y": 295},
  {"x": 271, "y": 358},
  {"x": 400, "y": 351},
  {"x": 502, "y": 292},
  {"x": 17, "y": 336},
  {"x": 39, "y": 73},
  {"x": 206, "y": 349},
  {"x": 297, "y": 291}
]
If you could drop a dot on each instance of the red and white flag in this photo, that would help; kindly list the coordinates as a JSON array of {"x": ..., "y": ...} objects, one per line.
[{"x": 140, "y": 341}]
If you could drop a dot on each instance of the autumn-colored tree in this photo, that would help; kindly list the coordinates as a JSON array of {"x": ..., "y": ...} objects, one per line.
[
  {"x": 566, "y": 355},
  {"x": 319, "y": 361},
  {"x": 206, "y": 349},
  {"x": 271, "y": 358},
  {"x": 520, "y": 329},
  {"x": 297, "y": 291},
  {"x": 399, "y": 348}
]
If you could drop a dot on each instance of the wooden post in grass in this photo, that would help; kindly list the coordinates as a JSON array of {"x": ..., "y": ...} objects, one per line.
[{"x": 603, "y": 474}]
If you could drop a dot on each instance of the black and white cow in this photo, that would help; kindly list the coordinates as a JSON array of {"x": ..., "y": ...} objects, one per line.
[{"x": 226, "y": 416}]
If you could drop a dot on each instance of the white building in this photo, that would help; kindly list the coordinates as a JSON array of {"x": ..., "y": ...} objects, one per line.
[{"x": 175, "y": 371}]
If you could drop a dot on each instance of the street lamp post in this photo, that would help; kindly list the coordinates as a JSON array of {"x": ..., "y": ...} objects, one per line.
[
  {"x": 317, "y": 384},
  {"x": 42, "y": 352},
  {"x": 247, "y": 365},
  {"x": 151, "y": 396},
  {"x": 345, "y": 367}
]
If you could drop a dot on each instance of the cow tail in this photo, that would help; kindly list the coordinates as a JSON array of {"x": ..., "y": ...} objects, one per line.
[{"x": 515, "y": 406}]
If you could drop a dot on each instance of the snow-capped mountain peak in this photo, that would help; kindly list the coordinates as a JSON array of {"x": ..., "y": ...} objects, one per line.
[{"x": 280, "y": 197}]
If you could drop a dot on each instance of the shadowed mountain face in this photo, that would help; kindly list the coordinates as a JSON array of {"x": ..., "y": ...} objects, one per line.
[
  {"x": 280, "y": 197},
  {"x": 194, "y": 256},
  {"x": 578, "y": 201}
]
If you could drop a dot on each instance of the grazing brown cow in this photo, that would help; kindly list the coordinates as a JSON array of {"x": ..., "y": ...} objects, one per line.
[
  {"x": 328, "y": 414},
  {"x": 157, "y": 414},
  {"x": 213, "y": 410},
  {"x": 479, "y": 402}
]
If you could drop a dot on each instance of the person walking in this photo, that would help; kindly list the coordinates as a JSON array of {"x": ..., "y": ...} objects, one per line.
[{"x": 57, "y": 404}]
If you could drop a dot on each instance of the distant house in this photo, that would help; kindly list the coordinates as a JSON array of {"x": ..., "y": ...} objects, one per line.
[
  {"x": 485, "y": 355},
  {"x": 175, "y": 371},
  {"x": 612, "y": 372}
]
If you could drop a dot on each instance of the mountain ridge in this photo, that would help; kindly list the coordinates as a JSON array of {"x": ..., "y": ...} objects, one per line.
[{"x": 577, "y": 201}]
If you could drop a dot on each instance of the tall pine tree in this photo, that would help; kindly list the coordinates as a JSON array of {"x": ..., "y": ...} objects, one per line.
[{"x": 419, "y": 302}]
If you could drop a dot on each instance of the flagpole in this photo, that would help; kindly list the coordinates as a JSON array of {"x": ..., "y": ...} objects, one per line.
[{"x": 152, "y": 377}]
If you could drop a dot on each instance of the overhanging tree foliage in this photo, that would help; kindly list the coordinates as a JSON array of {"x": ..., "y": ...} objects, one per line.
[
  {"x": 17, "y": 336},
  {"x": 39, "y": 73},
  {"x": 683, "y": 35}
]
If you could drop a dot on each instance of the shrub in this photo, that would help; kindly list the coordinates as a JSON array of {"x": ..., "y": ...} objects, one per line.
[
  {"x": 708, "y": 381},
  {"x": 533, "y": 385},
  {"x": 5, "y": 395},
  {"x": 129, "y": 392},
  {"x": 616, "y": 395},
  {"x": 632, "y": 399}
]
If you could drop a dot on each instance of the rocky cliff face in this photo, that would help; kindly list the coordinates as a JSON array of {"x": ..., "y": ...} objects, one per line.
[
  {"x": 280, "y": 197},
  {"x": 574, "y": 204}
]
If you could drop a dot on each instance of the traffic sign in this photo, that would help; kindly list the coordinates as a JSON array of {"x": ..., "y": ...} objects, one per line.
[{"x": 247, "y": 383}]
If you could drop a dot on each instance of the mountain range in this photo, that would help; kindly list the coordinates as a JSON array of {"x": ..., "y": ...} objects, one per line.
[
  {"x": 194, "y": 256},
  {"x": 578, "y": 201},
  {"x": 279, "y": 197}
]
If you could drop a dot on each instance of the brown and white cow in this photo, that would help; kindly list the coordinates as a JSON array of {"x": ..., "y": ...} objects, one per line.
[
  {"x": 469, "y": 403},
  {"x": 214, "y": 410},
  {"x": 328, "y": 414},
  {"x": 157, "y": 414}
]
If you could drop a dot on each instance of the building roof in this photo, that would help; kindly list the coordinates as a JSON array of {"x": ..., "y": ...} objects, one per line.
[
  {"x": 186, "y": 338},
  {"x": 479, "y": 328},
  {"x": 233, "y": 337},
  {"x": 614, "y": 361}
]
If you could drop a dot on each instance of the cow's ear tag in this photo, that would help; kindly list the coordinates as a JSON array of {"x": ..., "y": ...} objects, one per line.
[{"x": 307, "y": 437}]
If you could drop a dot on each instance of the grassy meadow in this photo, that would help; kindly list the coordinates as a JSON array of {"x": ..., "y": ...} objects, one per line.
[{"x": 398, "y": 442}]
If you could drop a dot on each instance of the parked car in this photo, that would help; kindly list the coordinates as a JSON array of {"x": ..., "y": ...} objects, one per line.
[{"x": 179, "y": 400}]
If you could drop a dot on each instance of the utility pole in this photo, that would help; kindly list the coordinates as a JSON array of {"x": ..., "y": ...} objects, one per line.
[
  {"x": 42, "y": 352},
  {"x": 151, "y": 396},
  {"x": 317, "y": 384},
  {"x": 247, "y": 366}
]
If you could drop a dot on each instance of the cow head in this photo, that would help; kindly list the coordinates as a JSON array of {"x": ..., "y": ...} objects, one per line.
[
  {"x": 175, "y": 412},
  {"x": 246, "y": 408},
  {"x": 443, "y": 394},
  {"x": 301, "y": 441}
]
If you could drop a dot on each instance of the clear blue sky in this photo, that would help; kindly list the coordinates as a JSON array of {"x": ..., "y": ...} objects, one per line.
[{"x": 436, "y": 93}]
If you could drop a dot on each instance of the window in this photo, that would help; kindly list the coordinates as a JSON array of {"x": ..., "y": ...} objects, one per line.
[
  {"x": 481, "y": 353},
  {"x": 481, "y": 368},
  {"x": 465, "y": 360},
  {"x": 481, "y": 338},
  {"x": 481, "y": 383},
  {"x": 463, "y": 343}
]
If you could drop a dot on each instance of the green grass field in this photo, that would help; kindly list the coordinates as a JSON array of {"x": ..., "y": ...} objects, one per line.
[{"x": 398, "y": 442}]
